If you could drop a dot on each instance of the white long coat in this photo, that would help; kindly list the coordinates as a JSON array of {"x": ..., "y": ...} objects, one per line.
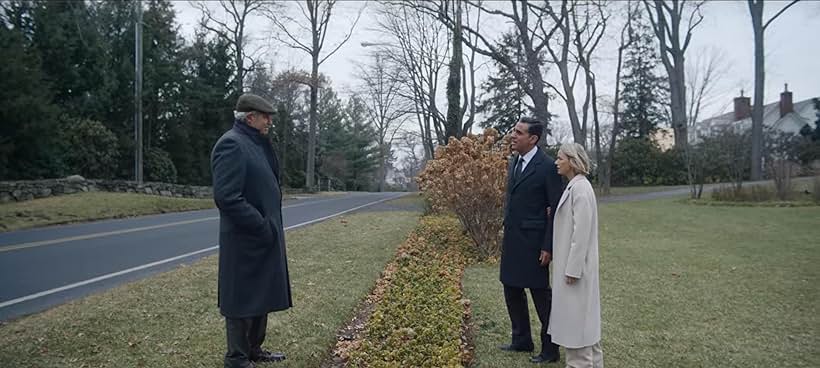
[{"x": 575, "y": 319}]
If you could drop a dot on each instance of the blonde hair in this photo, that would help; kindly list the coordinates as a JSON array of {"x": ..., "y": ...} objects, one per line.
[{"x": 577, "y": 157}]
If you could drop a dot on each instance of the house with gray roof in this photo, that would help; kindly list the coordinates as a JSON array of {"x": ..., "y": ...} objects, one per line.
[{"x": 783, "y": 115}]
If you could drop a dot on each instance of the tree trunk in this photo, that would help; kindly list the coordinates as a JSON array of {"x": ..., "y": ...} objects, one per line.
[
  {"x": 756, "y": 9},
  {"x": 382, "y": 166},
  {"x": 606, "y": 181},
  {"x": 314, "y": 97},
  {"x": 453, "y": 128},
  {"x": 677, "y": 84},
  {"x": 598, "y": 156}
]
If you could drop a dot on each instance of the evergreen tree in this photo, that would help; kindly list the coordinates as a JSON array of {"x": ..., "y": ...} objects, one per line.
[
  {"x": 73, "y": 56},
  {"x": 206, "y": 111},
  {"x": 162, "y": 72},
  {"x": 289, "y": 133},
  {"x": 644, "y": 91},
  {"x": 505, "y": 100},
  {"x": 27, "y": 115},
  {"x": 362, "y": 149}
]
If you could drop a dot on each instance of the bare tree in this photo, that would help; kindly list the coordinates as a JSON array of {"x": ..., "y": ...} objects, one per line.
[
  {"x": 417, "y": 42},
  {"x": 627, "y": 37},
  {"x": 412, "y": 163},
  {"x": 233, "y": 30},
  {"x": 577, "y": 31},
  {"x": 528, "y": 21},
  {"x": 310, "y": 39},
  {"x": 702, "y": 79},
  {"x": 589, "y": 29},
  {"x": 469, "y": 85},
  {"x": 759, "y": 28},
  {"x": 667, "y": 18},
  {"x": 381, "y": 84},
  {"x": 454, "y": 113}
]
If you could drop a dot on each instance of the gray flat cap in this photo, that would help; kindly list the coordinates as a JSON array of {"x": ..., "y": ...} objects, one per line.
[{"x": 251, "y": 102}]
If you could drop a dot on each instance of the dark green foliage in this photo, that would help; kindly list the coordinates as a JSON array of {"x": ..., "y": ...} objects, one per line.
[
  {"x": 75, "y": 60},
  {"x": 809, "y": 147},
  {"x": 348, "y": 153},
  {"x": 205, "y": 110},
  {"x": 89, "y": 148},
  {"x": 27, "y": 114},
  {"x": 159, "y": 167},
  {"x": 644, "y": 94},
  {"x": 505, "y": 100},
  {"x": 639, "y": 161}
]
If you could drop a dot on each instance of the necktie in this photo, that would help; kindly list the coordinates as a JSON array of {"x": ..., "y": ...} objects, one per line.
[{"x": 519, "y": 168}]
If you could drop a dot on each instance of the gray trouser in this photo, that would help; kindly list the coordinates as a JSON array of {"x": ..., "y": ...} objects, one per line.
[
  {"x": 245, "y": 338},
  {"x": 586, "y": 357}
]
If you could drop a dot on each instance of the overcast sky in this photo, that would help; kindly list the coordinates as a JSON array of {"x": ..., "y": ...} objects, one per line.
[{"x": 792, "y": 49}]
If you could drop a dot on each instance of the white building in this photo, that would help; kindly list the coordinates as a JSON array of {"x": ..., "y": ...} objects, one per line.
[{"x": 783, "y": 115}]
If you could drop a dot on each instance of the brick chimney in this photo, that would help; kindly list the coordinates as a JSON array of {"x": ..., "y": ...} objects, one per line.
[
  {"x": 743, "y": 107},
  {"x": 786, "y": 104}
]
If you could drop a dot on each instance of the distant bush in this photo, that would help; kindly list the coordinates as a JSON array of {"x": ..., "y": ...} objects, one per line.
[
  {"x": 639, "y": 161},
  {"x": 89, "y": 148},
  {"x": 159, "y": 166},
  {"x": 752, "y": 193}
]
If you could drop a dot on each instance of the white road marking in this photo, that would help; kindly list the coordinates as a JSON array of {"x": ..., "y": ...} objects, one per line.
[
  {"x": 98, "y": 235},
  {"x": 8, "y": 248},
  {"x": 167, "y": 260}
]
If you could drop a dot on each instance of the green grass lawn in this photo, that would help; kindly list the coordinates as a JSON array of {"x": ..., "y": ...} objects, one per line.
[
  {"x": 91, "y": 206},
  {"x": 616, "y": 191},
  {"x": 689, "y": 286},
  {"x": 171, "y": 320}
]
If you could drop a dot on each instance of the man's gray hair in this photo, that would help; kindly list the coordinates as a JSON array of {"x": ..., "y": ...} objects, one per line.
[
  {"x": 577, "y": 157},
  {"x": 242, "y": 115}
]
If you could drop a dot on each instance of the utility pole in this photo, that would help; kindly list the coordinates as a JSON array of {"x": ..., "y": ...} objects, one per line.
[{"x": 138, "y": 94}]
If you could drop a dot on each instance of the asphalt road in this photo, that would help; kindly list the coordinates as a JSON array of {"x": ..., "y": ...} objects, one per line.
[{"x": 44, "y": 267}]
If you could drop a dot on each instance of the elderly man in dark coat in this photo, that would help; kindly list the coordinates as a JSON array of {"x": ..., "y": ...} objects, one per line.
[
  {"x": 253, "y": 269},
  {"x": 533, "y": 187}
]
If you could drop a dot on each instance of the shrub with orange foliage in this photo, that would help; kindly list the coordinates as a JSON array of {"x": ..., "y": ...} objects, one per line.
[{"x": 469, "y": 178}]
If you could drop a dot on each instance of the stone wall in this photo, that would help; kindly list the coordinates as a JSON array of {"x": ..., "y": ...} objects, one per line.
[{"x": 18, "y": 191}]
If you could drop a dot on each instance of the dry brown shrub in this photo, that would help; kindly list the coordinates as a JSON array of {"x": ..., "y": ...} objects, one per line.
[{"x": 469, "y": 178}]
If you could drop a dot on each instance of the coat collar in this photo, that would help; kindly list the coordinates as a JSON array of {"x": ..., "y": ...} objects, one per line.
[
  {"x": 537, "y": 159},
  {"x": 566, "y": 194},
  {"x": 249, "y": 131}
]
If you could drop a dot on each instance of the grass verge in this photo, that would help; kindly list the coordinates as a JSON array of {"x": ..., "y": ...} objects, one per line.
[
  {"x": 91, "y": 206},
  {"x": 689, "y": 286},
  {"x": 171, "y": 320},
  {"x": 618, "y": 191}
]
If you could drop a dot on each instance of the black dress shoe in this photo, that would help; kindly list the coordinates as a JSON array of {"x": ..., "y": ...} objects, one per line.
[
  {"x": 267, "y": 356},
  {"x": 541, "y": 358},
  {"x": 512, "y": 347}
]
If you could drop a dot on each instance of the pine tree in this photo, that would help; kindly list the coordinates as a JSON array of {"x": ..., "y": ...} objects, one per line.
[
  {"x": 363, "y": 149},
  {"x": 644, "y": 91},
  {"x": 27, "y": 115},
  {"x": 73, "y": 55},
  {"x": 505, "y": 100},
  {"x": 205, "y": 112}
]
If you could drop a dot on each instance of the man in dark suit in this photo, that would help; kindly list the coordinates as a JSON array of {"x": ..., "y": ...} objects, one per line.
[
  {"x": 533, "y": 186},
  {"x": 253, "y": 269}
]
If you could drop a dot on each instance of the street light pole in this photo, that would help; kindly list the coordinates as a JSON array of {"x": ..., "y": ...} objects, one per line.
[{"x": 138, "y": 94}]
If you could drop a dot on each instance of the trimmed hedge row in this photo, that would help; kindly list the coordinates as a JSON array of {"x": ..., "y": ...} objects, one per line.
[{"x": 419, "y": 320}]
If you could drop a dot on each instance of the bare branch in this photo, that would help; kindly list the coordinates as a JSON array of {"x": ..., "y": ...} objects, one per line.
[
  {"x": 778, "y": 13},
  {"x": 347, "y": 37}
]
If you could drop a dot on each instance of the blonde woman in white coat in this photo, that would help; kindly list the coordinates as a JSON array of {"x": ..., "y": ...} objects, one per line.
[{"x": 575, "y": 321}]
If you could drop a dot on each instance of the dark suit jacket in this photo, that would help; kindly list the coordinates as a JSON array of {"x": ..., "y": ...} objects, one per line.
[
  {"x": 527, "y": 227},
  {"x": 253, "y": 269}
]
